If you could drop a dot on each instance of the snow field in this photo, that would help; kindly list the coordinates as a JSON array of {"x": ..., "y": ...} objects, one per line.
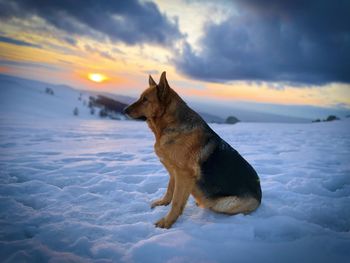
[{"x": 80, "y": 191}]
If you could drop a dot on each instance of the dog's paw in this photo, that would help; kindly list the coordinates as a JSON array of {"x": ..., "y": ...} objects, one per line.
[
  {"x": 164, "y": 223},
  {"x": 159, "y": 202}
]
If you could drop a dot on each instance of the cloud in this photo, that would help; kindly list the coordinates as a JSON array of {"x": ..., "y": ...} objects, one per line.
[
  {"x": 17, "y": 42},
  {"x": 71, "y": 41},
  {"x": 102, "y": 53},
  {"x": 301, "y": 42},
  {"x": 131, "y": 22},
  {"x": 29, "y": 64}
]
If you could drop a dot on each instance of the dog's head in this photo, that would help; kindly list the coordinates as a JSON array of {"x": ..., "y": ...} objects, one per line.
[{"x": 152, "y": 101}]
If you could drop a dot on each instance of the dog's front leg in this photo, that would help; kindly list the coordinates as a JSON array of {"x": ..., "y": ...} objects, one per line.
[
  {"x": 168, "y": 195},
  {"x": 184, "y": 183}
]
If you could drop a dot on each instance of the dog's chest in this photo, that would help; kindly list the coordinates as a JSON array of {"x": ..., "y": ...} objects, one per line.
[
  {"x": 178, "y": 150},
  {"x": 166, "y": 146}
]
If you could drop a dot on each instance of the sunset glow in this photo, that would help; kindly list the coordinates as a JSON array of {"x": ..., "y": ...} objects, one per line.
[
  {"x": 97, "y": 77},
  {"x": 199, "y": 66}
]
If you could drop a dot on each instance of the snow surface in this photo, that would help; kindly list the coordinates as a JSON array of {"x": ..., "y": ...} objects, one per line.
[{"x": 78, "y": 189}]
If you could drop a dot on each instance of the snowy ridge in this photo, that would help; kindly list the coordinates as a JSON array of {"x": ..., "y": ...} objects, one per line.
[
  {"x": 22, "y": 97},
  {"x": 79, "y": 191},
  {"x": 28, "y": 97}
]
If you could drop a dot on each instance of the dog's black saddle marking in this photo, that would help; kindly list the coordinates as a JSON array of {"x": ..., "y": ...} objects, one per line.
[{"x": 226, "y": 173}]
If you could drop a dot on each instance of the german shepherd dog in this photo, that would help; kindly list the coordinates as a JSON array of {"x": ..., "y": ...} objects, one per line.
[{"x": 199, "y": 162}]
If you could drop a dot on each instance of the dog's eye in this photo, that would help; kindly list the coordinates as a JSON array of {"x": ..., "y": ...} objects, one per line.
[{"x": 144, "y": 99}]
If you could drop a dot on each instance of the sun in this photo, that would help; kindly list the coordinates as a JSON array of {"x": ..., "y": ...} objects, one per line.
[{"x": 97, "y": 77}]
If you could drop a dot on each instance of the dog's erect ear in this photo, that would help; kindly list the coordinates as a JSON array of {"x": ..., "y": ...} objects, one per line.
[
  {"x": 163, "y": 86},
  {"x": 151, "y": 81},
  {"x": 163, "y": 81}
]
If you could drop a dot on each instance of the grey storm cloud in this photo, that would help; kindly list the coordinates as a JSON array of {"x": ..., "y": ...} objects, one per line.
[
  {"x": 300, "y": 42},
  {"x": 17, "y": 42},
  {"x": 131, "y": 22}
]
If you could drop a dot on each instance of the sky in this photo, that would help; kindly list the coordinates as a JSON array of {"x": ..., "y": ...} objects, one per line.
[{"x": 274, "y": 56}]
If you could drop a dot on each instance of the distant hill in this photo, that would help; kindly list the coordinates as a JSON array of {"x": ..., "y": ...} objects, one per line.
[
  {"x": 231, "y": 120},
  {"x": 211, "y": 118},
  {"x": 109, "y": 104},
  {"x": 121, "y": 98},
  {"x": 30, "y": 97},
  {"x": 245, "y": 115},
  {"x": 329, "y": 118},
  {"x": 108, "y": 107}
]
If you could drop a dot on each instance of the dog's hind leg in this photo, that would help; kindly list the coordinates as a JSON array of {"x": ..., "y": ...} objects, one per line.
[{"x": 234, "y": 205}]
